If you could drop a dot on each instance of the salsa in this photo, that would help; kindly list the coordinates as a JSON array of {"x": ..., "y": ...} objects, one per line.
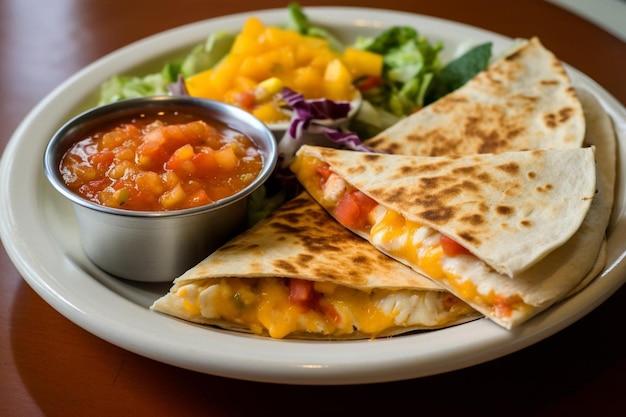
[{"x": 161, "y": 162}]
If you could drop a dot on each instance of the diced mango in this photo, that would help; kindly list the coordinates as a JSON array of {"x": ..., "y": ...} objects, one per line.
[
  {"x": 304, "y": 64},
  {"x": 199, "y": 84},
  {"x": 337, "y": 81},
  {"x": 363, "y": 63},
  {"x": 270, "y": 113}
]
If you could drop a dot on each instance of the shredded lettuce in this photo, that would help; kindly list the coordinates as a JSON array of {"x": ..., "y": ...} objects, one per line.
[
  {"x": 409, "y": 62},
  {"x": 208, "y": 54},
  {"x": 168, "y": 80},
  {"x": 413, "y": 76},
  {"x": 298, "y": 21},
  {"x": 121, "y": 87}
]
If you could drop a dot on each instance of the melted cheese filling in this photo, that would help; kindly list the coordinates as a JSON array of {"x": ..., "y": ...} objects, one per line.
[
  {"x": 417, "y": 244},
  {"x": 420, "y": 245},
  {"x": 263, "y": 306}
]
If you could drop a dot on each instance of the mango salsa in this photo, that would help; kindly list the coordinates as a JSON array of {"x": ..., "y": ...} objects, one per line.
[{"x": 264, "y": 59}]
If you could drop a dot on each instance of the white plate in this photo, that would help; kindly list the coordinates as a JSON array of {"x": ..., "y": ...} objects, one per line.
[{"x": 40, "y": 235}]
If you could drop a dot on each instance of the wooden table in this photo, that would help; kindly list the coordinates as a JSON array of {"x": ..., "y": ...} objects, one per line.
[{"x": 50, "y": 366}]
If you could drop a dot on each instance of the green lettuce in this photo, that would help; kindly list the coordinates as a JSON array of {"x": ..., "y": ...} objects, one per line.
[{"x": 202, "y": 57}]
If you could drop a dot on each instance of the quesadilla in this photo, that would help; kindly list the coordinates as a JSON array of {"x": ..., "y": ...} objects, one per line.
[
  {"x": 481, "y": 226},
  {"x": 525, "y": 100},
  {"x": 300, "y": 274}
]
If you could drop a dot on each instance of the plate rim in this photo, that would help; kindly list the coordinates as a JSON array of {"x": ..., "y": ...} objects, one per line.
[{"x": 333, "y": 363}]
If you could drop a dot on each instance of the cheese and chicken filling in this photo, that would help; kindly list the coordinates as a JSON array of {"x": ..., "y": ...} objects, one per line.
[
  {"x": 282, "y": 306},
  {"x": 420, "y": 245},
  {"x": 442, "y": 259}
]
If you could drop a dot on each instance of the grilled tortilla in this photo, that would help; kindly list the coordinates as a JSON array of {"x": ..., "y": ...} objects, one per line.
[
  {"x": 523, "y": 101},
  {"x": 300, "y": 274},
  {"x": 600, "y": 134},
  {"x": 482, "y": 226}
]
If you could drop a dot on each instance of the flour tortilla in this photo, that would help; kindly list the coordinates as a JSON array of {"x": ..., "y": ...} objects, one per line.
[
  {"x": 509, "y": 209},
  {"x": 300, "y": 240},
  {"x": 523, "y": 101}
]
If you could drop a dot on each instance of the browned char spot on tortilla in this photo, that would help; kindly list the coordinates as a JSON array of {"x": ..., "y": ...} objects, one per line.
[
  {"x": 439, "y": 214},
  {"x": 469, "y": 237},
  {"x": 371, "y": 157},
  {"x": 474, "y": 219},
  {"x": 561, "y": 116},
  {"x": 544, "y": 189},
  {"x": 285, "y": 266},
  {"x": 304, "y": 258},
  {"x": 511, "y": 168}
]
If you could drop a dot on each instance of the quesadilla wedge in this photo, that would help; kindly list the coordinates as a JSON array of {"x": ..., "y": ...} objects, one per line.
[
  {"x": 600, "y": 134},
  {"x": 482, "y": 226},
  {"x": 300, "y": 274},
  {"x": 525, "y": 100}
]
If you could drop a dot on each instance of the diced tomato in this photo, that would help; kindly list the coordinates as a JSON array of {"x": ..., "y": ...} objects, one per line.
[
  {"x": 352, "y": 209},
  {"x": 301, "y": 292},
  {"x": 123, "y": 184},
  {"x": 184, "y": 153},
  {"x": 246, "y": 100},
  {"x": 205, "y": 163},
  {"x": 99, "y": 185},
  {"x": 451, "y": 247},
  {"x": 502, "y": 307},
  {"x": 199, "y": 198},
  {"x": 366, "y": 204},
  {"x": 324, "y": 171},
  {"x": 104, "y": 157},
  {"x": 369, "y": 82},
  {"x": 329, "y": 311},
  {"x": 347, "y": 211},
  {"x": 130, "y": 130},
  {"x": 151, "y": 152}
]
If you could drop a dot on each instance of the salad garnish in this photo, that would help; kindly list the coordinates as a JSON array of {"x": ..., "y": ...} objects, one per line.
[{"x": 412, "y": 76}]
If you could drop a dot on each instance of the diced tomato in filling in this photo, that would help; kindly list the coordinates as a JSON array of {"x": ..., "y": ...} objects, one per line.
[
  {"x": 324, "y": 171},
  {"x": 502, "y": 307},
  {"x": 301, "y": 292},
  {"x": 352, "y": 209},
  {"x": 329, "y": 311},
  {"x": 451, "y": 247},
  {"x": 365, "y": 203}
]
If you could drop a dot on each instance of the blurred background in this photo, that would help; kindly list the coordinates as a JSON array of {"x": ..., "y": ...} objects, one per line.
[{"x": 608, "y": 14}]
